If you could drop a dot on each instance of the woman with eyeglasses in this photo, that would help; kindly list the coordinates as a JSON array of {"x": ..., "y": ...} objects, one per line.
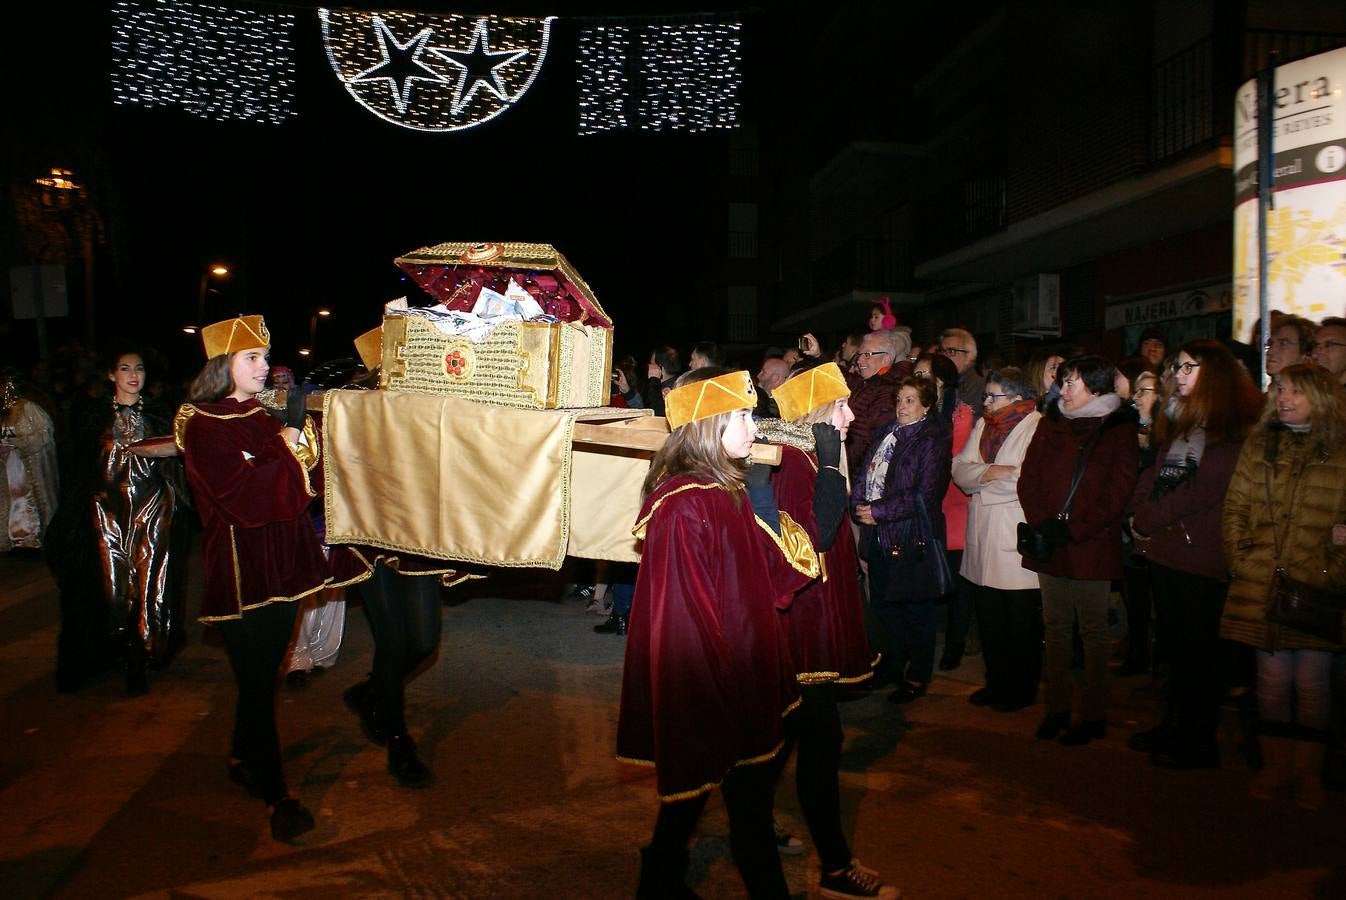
[
  {"x": 1283, "y": 510},
  {"x": 957, "y": 418},
  {"x": 1175, "y": 521},
  {"x": 1008, "y": 603},
  {"x": 1091, "y": 431},
  {"x": 1136, "y": 581}
]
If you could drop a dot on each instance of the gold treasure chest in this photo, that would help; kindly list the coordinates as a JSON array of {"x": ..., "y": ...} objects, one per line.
[{"x": 563, "y": 362}]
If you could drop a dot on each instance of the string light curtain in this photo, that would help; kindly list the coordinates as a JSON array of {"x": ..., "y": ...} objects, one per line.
[
  {"x": 216, "y": 62},
  {"x": 660, "y": 77}
]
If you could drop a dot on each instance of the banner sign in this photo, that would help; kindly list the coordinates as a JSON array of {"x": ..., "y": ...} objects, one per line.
[{"x": 1306, "y": 231}]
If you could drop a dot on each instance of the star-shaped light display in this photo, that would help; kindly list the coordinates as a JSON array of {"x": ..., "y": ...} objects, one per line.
[
  {"x": 401, "y": 64},
  {"x": 480, "y": 67},
  {"x": 454, "y": 71}
]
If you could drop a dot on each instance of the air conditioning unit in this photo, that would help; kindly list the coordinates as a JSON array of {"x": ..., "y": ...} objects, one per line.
[{"x": 1037, "y": 306}]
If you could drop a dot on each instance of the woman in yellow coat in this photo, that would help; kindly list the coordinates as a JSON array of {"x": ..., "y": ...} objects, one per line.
[{"x": 1287, "y": 494}]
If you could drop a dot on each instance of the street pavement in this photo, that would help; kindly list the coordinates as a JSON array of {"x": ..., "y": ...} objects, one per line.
[{"x": 102, "y": 795}]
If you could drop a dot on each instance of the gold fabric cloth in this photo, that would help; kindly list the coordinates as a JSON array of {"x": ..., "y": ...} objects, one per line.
[{"x": 456, "y": 480}]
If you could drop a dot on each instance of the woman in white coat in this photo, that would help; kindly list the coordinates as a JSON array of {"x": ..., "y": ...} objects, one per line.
[{"x": 1006, "y": 596}]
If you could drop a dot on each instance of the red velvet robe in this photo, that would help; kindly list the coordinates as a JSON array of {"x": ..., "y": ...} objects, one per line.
[
  {"x": 252, "y": 490},
  {"x": 708, "y": 676},
  {"x": 826, "y": 622}
]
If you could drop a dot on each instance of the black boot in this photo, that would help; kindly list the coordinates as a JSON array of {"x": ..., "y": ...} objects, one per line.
[
  {"x": 613, "y": 624},
  {"x": 405, "y": 765},
  {"x": 360, "y": 699}
]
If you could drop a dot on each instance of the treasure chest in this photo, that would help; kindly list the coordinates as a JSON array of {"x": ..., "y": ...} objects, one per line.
[{"x": 562, "y": 362}]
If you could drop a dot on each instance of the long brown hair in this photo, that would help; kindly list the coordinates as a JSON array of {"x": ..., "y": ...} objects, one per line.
[
  {"x": 214, "y": 382},
  {"x": 1327, "y": 405},
  {"x": 695, "y": 448},
  {"x": 1224, "y": 400}
]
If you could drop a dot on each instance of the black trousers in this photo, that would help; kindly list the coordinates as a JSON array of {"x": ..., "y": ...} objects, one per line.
[
  {"x": 1137, "y": 590},
  {"x": 814, "y": 730},
  {"x": 257, "y": 646},
  {"x": 1011, "y": 642},
  {"x": 748, "y": 793},
  {"x": 1197, "y": 661},
  {"x": 405, "y": 618},
  {"x": 961, "y": 604}
]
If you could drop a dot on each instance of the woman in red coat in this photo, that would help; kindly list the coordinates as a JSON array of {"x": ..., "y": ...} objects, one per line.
[
  {"x": 249, "y": 476},
  {"x": 1089, "y": 423},
  {"x": 708, "y": 675}
]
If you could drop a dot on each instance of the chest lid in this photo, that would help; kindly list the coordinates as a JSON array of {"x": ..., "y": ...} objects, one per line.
[{"x": 455, "y": 273}]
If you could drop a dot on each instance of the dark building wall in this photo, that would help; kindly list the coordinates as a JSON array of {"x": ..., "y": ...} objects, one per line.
[{"x": 1080, "y": 85}]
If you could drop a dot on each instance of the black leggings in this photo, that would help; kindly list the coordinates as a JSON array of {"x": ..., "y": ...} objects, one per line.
[
  {"x": 747, "y": 794},
  {"x": 815, "y": 727},
  {"x": 405, "y": 618},
  {"x": 257, "y": 645}
]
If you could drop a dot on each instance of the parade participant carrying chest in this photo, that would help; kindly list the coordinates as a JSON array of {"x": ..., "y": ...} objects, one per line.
[
  {"x": 250, "y": 477},
  {"x": 708, "y": 672}
]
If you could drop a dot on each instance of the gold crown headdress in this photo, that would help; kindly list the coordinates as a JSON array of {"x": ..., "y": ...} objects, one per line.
[
  {"x": 703, "y": 399},
  {"x": 810, "y": 389},
  {"x": 232, "y": 335}
]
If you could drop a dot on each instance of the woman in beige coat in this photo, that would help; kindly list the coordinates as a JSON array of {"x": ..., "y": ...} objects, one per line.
[
  {"x": 1005, "y": 594},
  {"x": 1297, "y": 448}
]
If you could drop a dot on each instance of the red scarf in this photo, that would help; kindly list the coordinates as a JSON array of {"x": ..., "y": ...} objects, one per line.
[{"x": 999, "y": 424}]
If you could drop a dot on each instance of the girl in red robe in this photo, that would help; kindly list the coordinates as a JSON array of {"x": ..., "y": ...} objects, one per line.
[
  {"x": 250, "y": 477},
  {"x": 826, "y": 622},
  {"x": 708, "y": 675}
]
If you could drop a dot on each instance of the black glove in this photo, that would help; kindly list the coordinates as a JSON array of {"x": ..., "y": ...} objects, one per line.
[
  {"x": 826, "y": 444},
  {"x": 1056, "y": 532},
  {"x": 294, "y": 408}
]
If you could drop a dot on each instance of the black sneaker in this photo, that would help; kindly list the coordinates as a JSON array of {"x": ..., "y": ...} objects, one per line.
[
  {"x": 613, "y": 624},
  {"x": 856, "y": 881}
]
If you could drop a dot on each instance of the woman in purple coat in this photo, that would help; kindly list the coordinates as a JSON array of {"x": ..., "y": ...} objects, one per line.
[{"x": 907, "y": 463}]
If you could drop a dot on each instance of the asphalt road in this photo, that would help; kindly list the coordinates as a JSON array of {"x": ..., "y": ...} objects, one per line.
[{"x": 102, "y": 795}]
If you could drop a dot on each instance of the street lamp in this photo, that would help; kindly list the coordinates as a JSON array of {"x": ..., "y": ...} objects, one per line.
[
  {"x": 217, "y": 271},
  {"x": 320, "y": 313}
]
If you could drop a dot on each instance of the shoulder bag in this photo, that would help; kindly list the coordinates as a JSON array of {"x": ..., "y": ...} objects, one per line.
[
  {"x": 920, "y": 565},
  {"x": 1032, "y": 540},
  {"x": 1294, "y": 604}
]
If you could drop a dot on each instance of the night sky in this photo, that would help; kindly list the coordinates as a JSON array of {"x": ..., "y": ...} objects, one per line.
[{"x": 311, "y": 213}]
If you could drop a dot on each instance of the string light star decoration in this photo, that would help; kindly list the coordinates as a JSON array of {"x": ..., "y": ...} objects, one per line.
[
  {"x": 660, "y": 77},
  {"x": 434, "y": 73},
  {"x": 214, "y": 62},
  {"x": 401, "y": 64},
  {"x": 480, "y": 67}
]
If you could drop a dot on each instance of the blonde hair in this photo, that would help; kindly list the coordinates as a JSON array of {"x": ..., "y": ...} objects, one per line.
[
  {"x": 696, "y": 448},
  {"x": 1327, "y": 406}
]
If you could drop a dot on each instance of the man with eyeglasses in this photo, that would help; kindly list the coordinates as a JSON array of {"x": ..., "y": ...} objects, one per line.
[
  {"x": 1291, "y": 341},
  {"x": 1329, "y": 347},
  {"x": 960, "y": 346},
  {"x": 880, "y": 364}
]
